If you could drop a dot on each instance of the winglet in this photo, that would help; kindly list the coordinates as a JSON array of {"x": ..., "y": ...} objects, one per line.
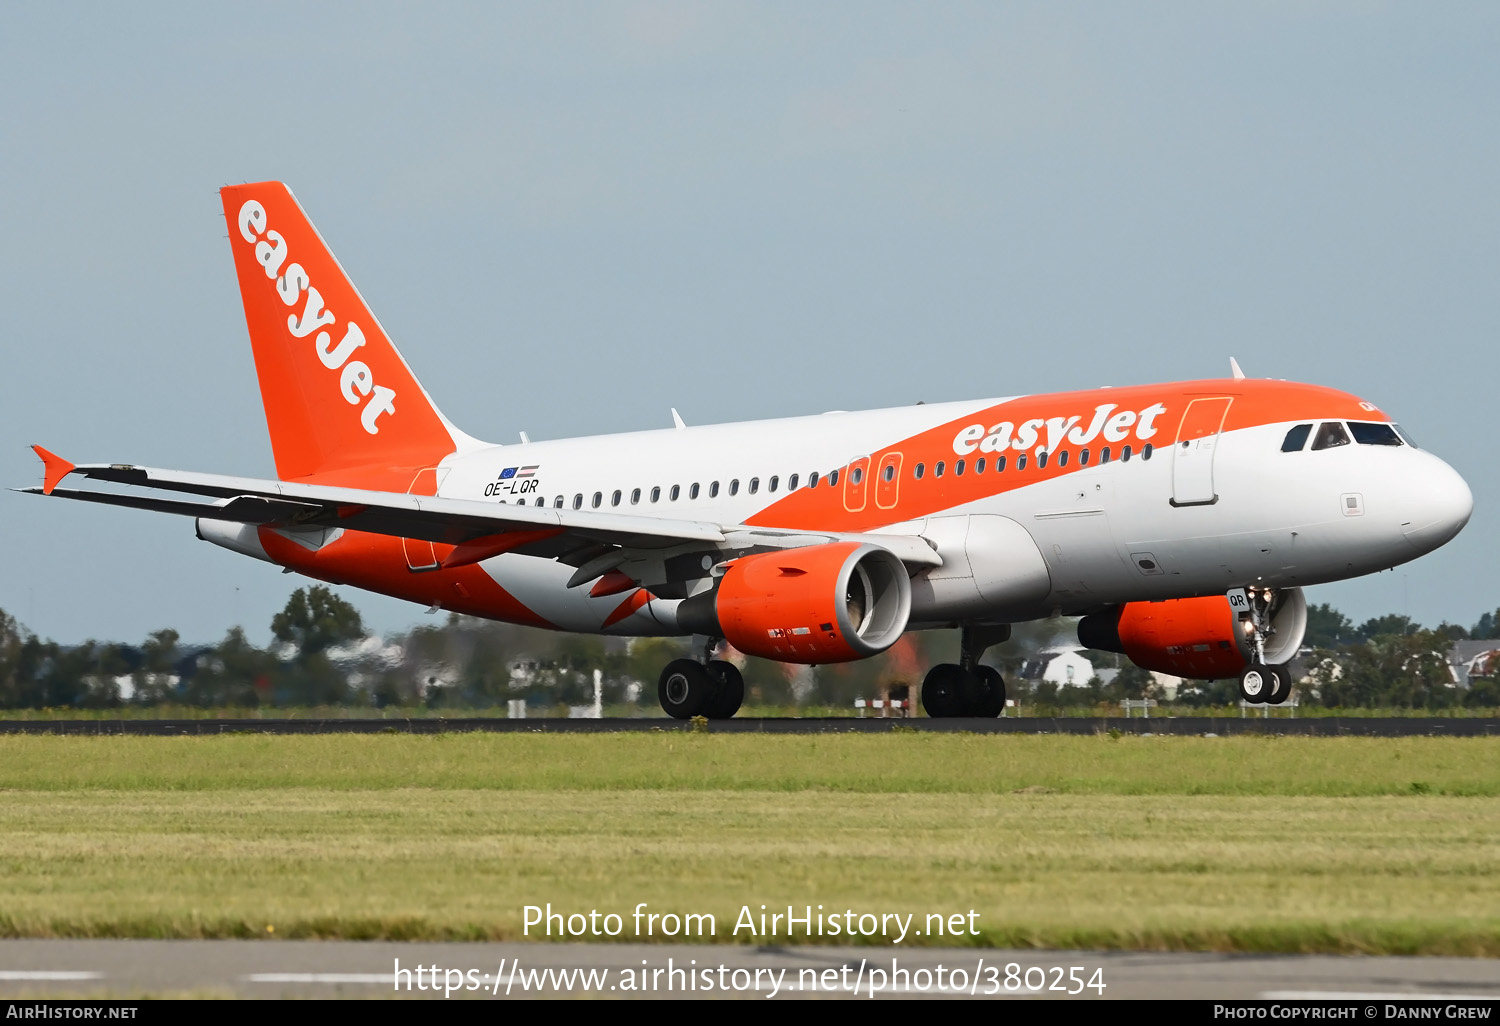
[
  {"x": 55, "y": 468},
  {"x": 1234, "y": 368}
]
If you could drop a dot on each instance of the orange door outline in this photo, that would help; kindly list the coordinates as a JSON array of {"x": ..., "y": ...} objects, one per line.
[
  {"x": 888, "y": 481},
  {"x": 856, "y": 485}
]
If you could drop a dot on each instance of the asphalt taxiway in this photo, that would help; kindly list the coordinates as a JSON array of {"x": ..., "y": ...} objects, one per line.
[{"x": 1322, "y": 726}]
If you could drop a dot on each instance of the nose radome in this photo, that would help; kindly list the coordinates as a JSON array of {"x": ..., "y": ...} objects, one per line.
[{"x": 1437, "y": 505}]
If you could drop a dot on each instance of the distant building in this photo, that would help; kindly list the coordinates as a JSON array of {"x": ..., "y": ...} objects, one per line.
[
  {"x": 1065, "y": 667},
  {"x": 1478, "y": 657},
  {"x": 1167, "y": 685}
]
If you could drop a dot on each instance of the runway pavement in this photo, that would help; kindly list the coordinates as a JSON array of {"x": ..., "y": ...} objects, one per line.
[
  {"x": 355, "y": 969},
  {"x": 1323, "y": 726}
]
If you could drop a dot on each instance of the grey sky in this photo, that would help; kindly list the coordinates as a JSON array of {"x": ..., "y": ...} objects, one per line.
[{"x": 572, "y": 217}]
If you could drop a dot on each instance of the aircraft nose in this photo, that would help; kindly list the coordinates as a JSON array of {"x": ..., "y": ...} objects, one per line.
[{"x": 1436, "y": 506}]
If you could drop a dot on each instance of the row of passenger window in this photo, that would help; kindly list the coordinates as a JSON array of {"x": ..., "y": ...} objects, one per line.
[
  {"x": 856, "y": 476},
  {"x": 1332, "y": 434}
]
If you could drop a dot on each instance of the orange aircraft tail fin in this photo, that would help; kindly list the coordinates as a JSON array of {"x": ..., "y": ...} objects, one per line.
[{"x": 341, "y": 403}]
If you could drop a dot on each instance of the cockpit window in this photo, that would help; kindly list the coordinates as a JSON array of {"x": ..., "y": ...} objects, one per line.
[
  {"x": 1405, "y": 435},
  {"x": 1374, "y": 434},
  {"x": 1296, "y": 438},
  {"x": 1330, "y": 435}
]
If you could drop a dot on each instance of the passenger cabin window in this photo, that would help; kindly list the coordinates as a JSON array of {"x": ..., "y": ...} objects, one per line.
[
  {"x": 1296, "y": 438},
  {"x": 979, "y": 467},
  {"x": 1330, "y": 435},
  {"x": 734, "y": 486},
  {"x": 1374, "y": 434},
  {"x": 1062, "y": 458},
  {"x": 833, "y": 479},
  {"x": 1147, "y": 450},
  {"x": 1083, "y": 457},
  {"x": 857, "y": 475},
  {"x": 598, "y": 498},
  {"x": 557, "y": 502},
  {"x": 676, "y": 491},
  {"x": 578, "y": 501},
  {"x": 1041, "y": 460},
  {"x": 791, "y": 483},
  {"x": 937, "y": 471},
  {"x": 540, "y": 501},
  {"x": 1021, "y": 462},
  {"x": 614, "y": 500},
  {"x": 713, "y": 489},
  {"x": 1125, "y": 454},
  {"x": 693, "y": 490},
  {"x": 812, "y": 479},
  {"x": 754, "y": 485},
  {"x": 635, "y": 496},
  {"x": 889, "y": 472},
  {"x": 921, "y": 469},
  {"x": 656, "y": 493},
  {"x": 771, "y": 485},
  {"x": 958, "y": 469},
  {"x": 1104, "y": 455},
  {"x": 999, "y": 464}
]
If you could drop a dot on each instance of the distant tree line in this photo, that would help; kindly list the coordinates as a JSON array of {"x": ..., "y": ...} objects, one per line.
[{"x": 321, "y": 655}]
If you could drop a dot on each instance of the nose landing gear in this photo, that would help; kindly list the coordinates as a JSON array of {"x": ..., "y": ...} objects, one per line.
[{"x": 1261, "y": 682}]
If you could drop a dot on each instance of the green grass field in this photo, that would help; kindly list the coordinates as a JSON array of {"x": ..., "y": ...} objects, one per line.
[{"x": 1246, "y": 844}]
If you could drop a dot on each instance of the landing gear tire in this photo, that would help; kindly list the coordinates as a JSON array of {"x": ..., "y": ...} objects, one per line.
[
  {"x": 990, "y": 701},
  {"x": 949, "y": 691},
  {"x": 686, "y": 687},
  {"x": 1257, "y": 683},
  {"x": 1283, "y": 689},
  {"x": 730, "y": 693}
]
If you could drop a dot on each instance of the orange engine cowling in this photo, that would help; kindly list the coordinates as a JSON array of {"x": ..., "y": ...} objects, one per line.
[
  {"x": 1198, "y": 638},
  {"x": 819, "y": 604}
]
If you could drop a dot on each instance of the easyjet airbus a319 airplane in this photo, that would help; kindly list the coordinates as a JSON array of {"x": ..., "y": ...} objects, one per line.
[{"x": 1180, "y": 521}]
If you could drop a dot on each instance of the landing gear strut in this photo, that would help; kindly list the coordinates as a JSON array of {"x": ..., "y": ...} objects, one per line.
[
  {"x": 710, "y": 687},
  {"x": 966, "y": 688},
  {"x": 1261, "y": 682}
]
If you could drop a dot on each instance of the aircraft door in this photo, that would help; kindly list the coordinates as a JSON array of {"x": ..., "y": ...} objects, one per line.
[
  {"x": 1193, "y": 455},
  {"x": 856, "y": 484},
  {"x": 419, "y": 553}
]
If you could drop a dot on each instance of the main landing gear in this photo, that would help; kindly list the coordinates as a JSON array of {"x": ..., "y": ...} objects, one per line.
[
  {"x": 965, "y": 688},
  {"x": 711, "y": 687},
  {"x": 1261, "y": 682}
]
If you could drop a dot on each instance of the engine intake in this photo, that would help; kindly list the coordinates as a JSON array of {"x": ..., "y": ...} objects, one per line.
[
  {"x": 1197, "y": 638},
  {"x": 829, "y": 603}
]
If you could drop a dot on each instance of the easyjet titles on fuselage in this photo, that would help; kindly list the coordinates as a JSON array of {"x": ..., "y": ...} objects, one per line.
[
  {"x": 1108, "y": 421},
  {"x": 356, "y": 380}
]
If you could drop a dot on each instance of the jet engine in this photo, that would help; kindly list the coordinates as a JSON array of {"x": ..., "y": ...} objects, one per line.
[
  {"x": 829, "y": 603},
  {"x": 1199, "y": 638}
]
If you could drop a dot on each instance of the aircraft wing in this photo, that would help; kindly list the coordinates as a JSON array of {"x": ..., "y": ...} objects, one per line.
[{"x": 593, "y": 542}]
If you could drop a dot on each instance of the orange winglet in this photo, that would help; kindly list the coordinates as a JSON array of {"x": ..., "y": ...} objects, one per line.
[
  {"x": 479, "y": 549},
  {"x": 55, "y": 468}
]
